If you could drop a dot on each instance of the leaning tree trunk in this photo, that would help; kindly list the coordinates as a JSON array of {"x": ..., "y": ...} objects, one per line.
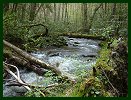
[
  {"x": 92, "y": 18},
  {"x": 38, "y": 61},
  {"x": 32, "y": 59},
  {"x": 24, "y": 63}
]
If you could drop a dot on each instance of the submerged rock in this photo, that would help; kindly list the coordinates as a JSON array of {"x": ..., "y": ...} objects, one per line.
[{"x": 54, "y": 54}]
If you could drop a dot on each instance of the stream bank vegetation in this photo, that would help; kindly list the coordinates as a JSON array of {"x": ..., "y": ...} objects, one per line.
[{"x": 28, "y": 27}]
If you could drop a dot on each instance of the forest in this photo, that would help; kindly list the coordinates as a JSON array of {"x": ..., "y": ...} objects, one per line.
[{"x": 65, "y": 49}]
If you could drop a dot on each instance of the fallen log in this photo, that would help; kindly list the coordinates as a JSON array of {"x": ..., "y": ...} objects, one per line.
[
  {"x": 38, "y": 62},
  {"x": 22, "y": 62},
  {"x": 86, "y": 36},
  {"x": 32, "y": 59}
]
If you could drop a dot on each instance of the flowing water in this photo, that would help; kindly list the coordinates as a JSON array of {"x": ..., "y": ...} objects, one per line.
[{"x": 73, "y": 60}]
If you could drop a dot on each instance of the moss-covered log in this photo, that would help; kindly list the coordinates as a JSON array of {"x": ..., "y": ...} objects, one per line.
[
  {"x": 24, "y": 63},
  {"x": 32, "y": 59},
  {"x": 87, "y": 36},
  {"x": 36, "y": 61}
]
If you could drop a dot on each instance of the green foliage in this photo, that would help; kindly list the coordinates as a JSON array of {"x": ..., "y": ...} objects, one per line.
[
  {"x": 32, "y": 93},
  {"x": 49, "y": 92},
  {"x": 13, "y": 32},
  {"x": 107, "y": 31},
  {"x": 91, "y": 87},
  {"x": 40, "y": 42},
  {"x": 48, "y": 74}
]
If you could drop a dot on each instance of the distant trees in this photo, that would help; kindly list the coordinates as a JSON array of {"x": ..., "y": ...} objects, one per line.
[
  {"x": 14, "y": 8},
  {"x": 74, "y": 17},
  {"x": 87, "y": 22}
]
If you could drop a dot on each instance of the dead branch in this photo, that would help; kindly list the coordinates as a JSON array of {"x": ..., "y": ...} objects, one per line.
[{"x": 17, "y": 77}]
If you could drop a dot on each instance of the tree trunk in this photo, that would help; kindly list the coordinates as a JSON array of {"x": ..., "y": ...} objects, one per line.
[
  {"x": 6, "y": 7},
  {"x": 14, "y": 9},
  {"x": 113, "y": 11},
  {"x": 38, "y": 62},
  {"x": 24, "y": 63},
  {"x": 92, "y": 18},
  {"x": 32, "y": 11},
  {"x": 54, "y": 12},
  {"x": 63, "y": 8},
  {"x": 105, "y": 8},
  {"x": 66, "y": 13},
  {"x": 23, "y": 11},
  {"x": 88, "y": 24},
  {"x": 59, "y": 10},
  {"x": 38, "y": 9},
  {"x": 32, "y": 59},
  {"x": 85, "y": 26}
]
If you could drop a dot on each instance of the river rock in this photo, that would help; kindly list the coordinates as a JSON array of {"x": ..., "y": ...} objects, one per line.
[
  {"x": 88, "y": 55},
  {"x": 54, "y": 54}
]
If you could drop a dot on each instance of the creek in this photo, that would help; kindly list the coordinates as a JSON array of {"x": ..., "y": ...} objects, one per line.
[{"x": 73, "y": 60}]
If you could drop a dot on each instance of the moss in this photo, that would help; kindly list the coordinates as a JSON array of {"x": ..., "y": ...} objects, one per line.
[
  {"x": 73, "y": 91},
  {"x": 90, "y": 87},
  {"x": 6, "y": 52},
  {"x": 104, "y": 58},
  {"x": 87, "y": 36}
]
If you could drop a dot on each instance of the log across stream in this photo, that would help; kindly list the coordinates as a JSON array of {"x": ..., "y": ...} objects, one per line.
[{"x": 73, "y": 60}]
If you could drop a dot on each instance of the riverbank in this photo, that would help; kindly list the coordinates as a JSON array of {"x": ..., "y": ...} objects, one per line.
[{"x": 94, "y": 75}]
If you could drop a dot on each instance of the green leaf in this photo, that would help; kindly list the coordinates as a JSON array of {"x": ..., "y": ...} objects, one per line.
[
  {"x": 97, "y": 92},
  {"x": 92, "y": 92}
]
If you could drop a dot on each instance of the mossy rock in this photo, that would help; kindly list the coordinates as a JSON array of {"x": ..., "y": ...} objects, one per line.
[{"x": 91, "y": 87}]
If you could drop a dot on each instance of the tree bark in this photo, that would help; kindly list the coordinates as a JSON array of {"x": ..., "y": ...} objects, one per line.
[
  {"x": 59, "y": 11},
  {"x": 23, "y": 63},
  {"x": 63, "y": 9},
  {"x": 23, "y": 12},
  {"x": 32, "y": 11},
  {"x": 54, "y": 12},
  {"x": 6, "y": 7},
  {"x": 85, "y": 26},
  {"x": 32, "y": 59},
  {"x": 92, "y": 18},
  {"x": 113, "y": 11},
  {"x": 14, "y": 9},
  {"x": 66, "y": 13}
]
